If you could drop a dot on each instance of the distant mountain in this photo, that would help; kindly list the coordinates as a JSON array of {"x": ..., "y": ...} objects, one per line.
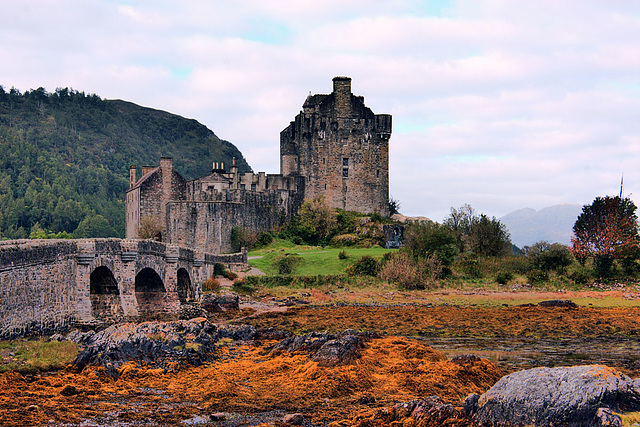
[
  {"x": 65, "y": 157},
  {"x": 553, "y": 224}
]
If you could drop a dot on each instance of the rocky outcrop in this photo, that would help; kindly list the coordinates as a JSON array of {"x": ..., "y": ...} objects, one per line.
[
  {"x": 167, "y": 345},
  {"x": 567, "y": 396},
  {"x": 326, "y": 349}
]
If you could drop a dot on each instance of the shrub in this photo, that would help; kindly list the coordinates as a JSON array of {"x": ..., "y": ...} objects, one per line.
[
  {"x": 242, "y": 238},
  {"x": 549, "y": 256},
  {"x": 579, "y": 277},
  {"x": 343, "y": 255},
  {"x": 430, "y": 239},
  {"x": 231, "y": 275},
  {"x": 411, "y": 273},
  {"x": 219, "y": 269},
  {"x": 470, "y": 266},
  {"x": 504, "y": 277},
  {"x": 287, "y": 263},
  {"x": 297, "y": 240},
  {"x": 211, "y": 285},
  {"x": 241, "y": 286},
  {"x": 265, "y": 238},
  {"x": 365, "y": 266},
  {"x": 537, "y": 277}
]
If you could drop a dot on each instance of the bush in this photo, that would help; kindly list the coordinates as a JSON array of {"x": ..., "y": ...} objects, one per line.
[
  {"x": 579, "y": 277},
  {"x": 411, "y": 273},
  {"x": 211, "y": 285},
  {"x": 365, "y": 266},
  {"x": 242, "y": 238},
  {"x": 504, "y": 277},
  {"x": 430, "y": 239},
  {"x": 287, "y": 263},
  {"x": 219, "y": 269},
  {"x": 343, "y": 255},
  {"x": 470, "y": 266},
  {"x": 537, "y": 277},
  {"x": 241, "y": 286},
  {"x": 265, "y": 238},
  {"x": 231, "y": 275},
  {"x": 549, "y": 256}
]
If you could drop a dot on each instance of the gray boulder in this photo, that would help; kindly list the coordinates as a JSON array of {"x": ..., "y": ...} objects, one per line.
[{"x": 566, "y": 396}]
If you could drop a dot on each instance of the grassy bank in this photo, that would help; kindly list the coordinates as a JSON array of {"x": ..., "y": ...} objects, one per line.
[{"x": 316, "y": 260}]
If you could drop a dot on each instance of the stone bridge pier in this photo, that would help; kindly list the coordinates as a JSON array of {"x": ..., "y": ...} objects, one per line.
[{"x": 51, "y": 285}]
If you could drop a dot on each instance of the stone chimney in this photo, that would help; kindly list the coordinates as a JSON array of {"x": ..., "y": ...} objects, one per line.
[{"x": 342, "y": 95}]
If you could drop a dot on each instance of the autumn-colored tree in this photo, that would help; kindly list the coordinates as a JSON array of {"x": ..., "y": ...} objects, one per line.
[{"x": 606, "y": 230}]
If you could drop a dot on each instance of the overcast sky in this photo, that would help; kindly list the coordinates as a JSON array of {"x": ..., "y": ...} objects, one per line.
[{"x": 502, "y": 104}]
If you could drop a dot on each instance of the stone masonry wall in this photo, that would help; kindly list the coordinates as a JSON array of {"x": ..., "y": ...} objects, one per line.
[
  {"x": 46, "y": 285},
  {"x": 341, "y": 148},
  {"x": 207, "y": 225}
]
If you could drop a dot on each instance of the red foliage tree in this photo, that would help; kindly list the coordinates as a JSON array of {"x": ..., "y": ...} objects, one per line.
[{"x": 606, "y": 230}]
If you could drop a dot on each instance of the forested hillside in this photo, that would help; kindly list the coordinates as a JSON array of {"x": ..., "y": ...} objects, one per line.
[{"x": 65, "y": 156}]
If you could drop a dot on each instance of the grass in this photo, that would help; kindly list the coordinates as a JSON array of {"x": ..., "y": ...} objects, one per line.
[
  {"x": 36, "y": 355},
  {"x": 317, "y": 260}
]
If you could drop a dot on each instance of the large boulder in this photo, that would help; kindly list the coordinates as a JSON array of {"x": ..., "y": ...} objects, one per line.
[{"x": 566, "y": 396}]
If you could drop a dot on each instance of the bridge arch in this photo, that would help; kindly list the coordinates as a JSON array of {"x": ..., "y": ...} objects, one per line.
[
  {"x": 185, "y": 292},
  {"x": 151, "y": 294},
  {"x": 104, "y": 294}
]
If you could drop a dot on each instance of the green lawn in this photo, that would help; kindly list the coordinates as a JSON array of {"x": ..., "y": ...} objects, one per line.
[{"x": 316, "y": 260}]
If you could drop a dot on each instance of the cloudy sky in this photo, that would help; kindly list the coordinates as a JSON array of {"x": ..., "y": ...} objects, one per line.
[{"x": 502, "y": 104}]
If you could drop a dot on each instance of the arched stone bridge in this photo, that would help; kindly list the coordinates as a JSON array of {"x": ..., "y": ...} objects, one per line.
[{"x": 49, "y": 285}]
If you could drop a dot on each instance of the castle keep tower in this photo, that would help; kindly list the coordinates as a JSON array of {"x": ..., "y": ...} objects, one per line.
[{"x": 341, "y": 149}]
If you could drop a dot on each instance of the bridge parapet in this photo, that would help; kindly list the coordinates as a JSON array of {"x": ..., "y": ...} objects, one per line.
[{"x": 50, "y": 285}]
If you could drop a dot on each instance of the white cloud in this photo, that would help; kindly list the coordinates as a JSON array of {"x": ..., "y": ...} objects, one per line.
[{"x": 498, "y": 103}]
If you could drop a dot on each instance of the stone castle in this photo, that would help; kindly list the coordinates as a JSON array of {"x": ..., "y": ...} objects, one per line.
[{"x": 336, "y": 147}]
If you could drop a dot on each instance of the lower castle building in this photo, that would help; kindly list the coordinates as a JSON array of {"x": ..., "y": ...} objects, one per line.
[{"x": 336, "y": 147}]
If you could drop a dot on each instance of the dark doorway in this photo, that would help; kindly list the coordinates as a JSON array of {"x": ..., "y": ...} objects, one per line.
[{"x": 104, "y": 294}]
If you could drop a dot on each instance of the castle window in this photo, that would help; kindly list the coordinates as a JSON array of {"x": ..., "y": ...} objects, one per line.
[
  {"x": 345, "y": 161},
  {"x": 345, "y": 173},
  {"x": 378, "y": 173},
  {"x": 242, "y": 186},
  {"x": 253, "y": 187}
]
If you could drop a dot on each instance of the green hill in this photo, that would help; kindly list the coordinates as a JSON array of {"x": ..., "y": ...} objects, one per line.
[{"x": 65, "y": 156}]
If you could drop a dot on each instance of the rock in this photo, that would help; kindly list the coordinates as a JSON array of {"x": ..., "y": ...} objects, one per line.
[
  {"x": 326, "y": 349},
  {"x": 191, "y": 311},
  {"x": 568, "y": 396},
  {"x": 293, "y": 419},
  {"x": 168, "y": 345},
  {"x": 558, "y": 303},
  {"x": 216, "y": 303},
  {"x": 340, "y": 351},
  {"x": 605, "y": 417},
  {"x": 470, "y": 405},
  {"x": 218, "y": 416}
]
